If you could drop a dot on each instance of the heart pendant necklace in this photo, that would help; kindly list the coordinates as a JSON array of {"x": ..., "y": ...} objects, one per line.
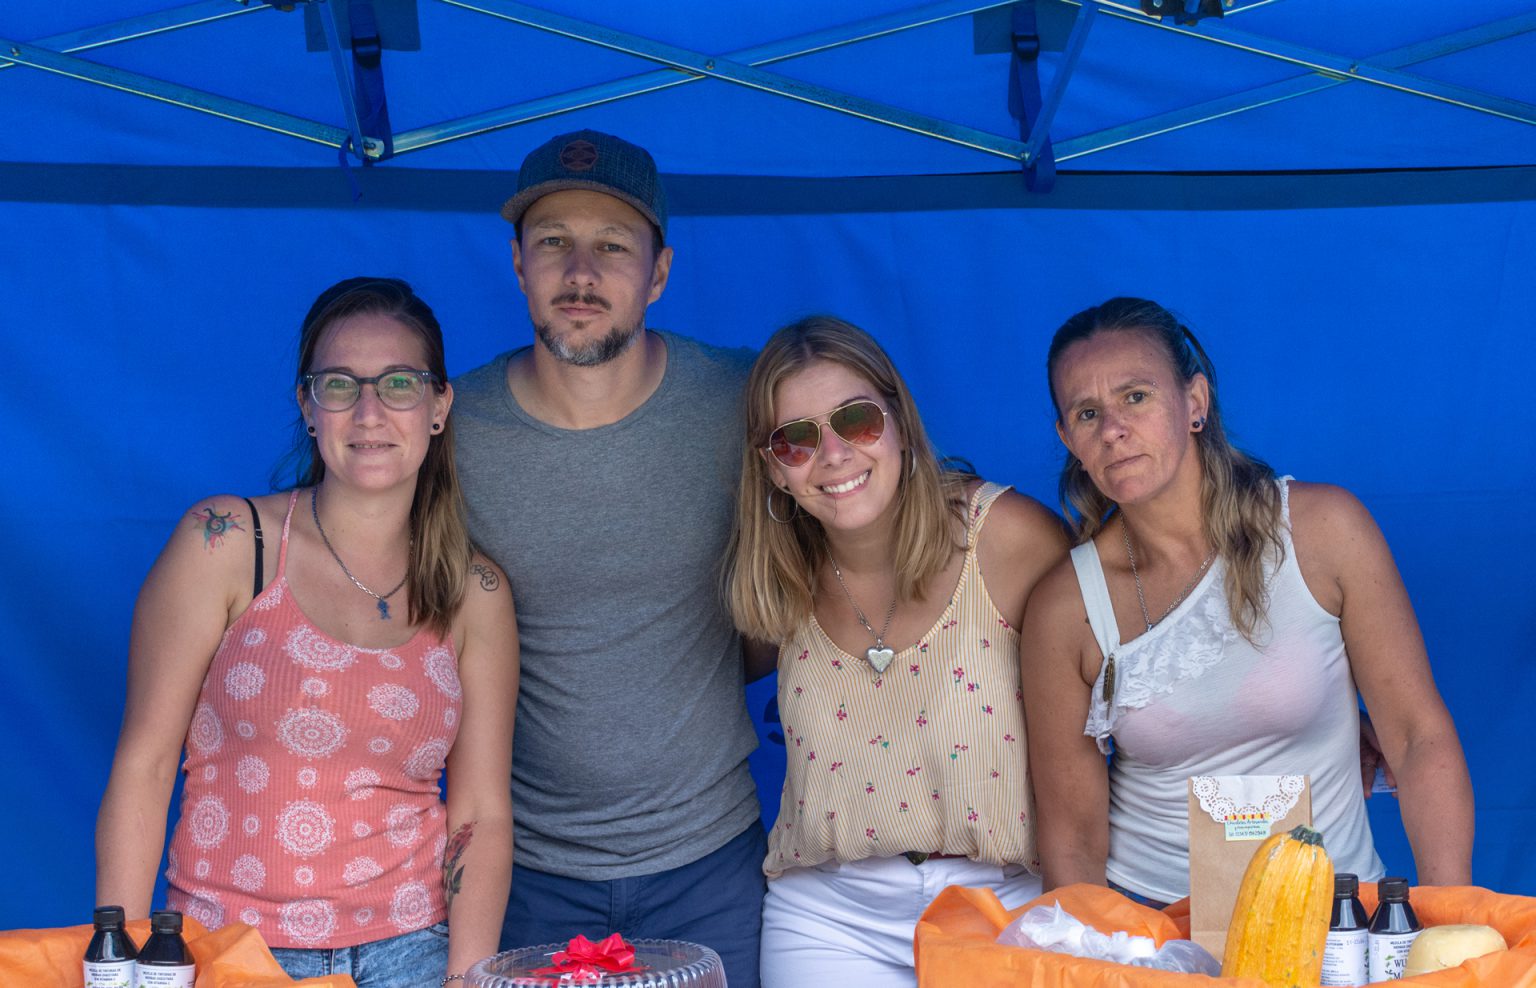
[{"x": 879, "y": 654}]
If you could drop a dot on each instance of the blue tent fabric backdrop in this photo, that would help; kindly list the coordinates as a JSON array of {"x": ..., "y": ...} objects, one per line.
[{"x": 1372, "y": 329}]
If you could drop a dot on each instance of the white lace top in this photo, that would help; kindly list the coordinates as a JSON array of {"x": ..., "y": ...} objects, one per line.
[{"x": 1192, "y": 696}]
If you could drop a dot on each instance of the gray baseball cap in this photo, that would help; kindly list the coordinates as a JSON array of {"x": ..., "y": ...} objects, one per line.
[{"x": 590, "y": 159}]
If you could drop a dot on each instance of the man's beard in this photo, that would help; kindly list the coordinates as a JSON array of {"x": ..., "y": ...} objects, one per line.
[
  {"x": 595, "y": 352},
  {"x": 591, "y": 353}
]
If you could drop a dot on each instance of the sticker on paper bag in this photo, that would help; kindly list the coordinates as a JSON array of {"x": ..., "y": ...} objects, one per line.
[{"x": 1247, "y": 826}]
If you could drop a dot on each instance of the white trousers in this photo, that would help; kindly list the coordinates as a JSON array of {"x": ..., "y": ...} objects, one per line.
[{"x": 852, "y": 924}]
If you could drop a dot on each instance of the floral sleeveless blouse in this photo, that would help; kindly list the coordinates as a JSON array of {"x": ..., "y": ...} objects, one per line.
[{"x": 927, "y": 756}]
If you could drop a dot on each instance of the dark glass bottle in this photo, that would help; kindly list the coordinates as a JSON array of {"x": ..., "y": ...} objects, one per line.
[
  {"x": 1344, "y": 961},
  {"x": 1393, "y": 929},
  {"x": 164, "y": 961},
  {"x": 109, "y": 956}
]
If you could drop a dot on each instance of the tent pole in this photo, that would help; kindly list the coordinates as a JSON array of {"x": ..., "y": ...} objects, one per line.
[
  {"x": 330, "y": 22},
  {"x": 1034, "y": 112},
  {"x": 173, "y": 93},
  {"x": 730, "y": 71},
  {"x": 143, "y": 26},
  {"x": 1343, "y": 68},
  {"x": 653, "y": 81},
  {"x": 1253, "y": 99}
]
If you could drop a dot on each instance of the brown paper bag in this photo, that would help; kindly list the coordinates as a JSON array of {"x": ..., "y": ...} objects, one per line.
[{"x": 1229, "y": 816}]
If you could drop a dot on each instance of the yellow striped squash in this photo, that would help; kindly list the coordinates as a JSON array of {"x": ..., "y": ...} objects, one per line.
[{"x": 1280, "y": 922}]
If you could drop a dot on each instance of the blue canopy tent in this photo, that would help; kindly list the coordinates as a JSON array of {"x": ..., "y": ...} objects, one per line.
[{"x": 1337, "y": 198}]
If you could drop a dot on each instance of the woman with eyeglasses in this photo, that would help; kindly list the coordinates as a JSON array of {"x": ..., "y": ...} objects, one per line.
[
  {"x": 322, "y": 656},
  {"x": 894, "y": 586},
  {"x": 1213, "y": 620}
]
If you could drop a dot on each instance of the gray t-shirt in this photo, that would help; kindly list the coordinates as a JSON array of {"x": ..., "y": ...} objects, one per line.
[{"x": 632, "y": 730}]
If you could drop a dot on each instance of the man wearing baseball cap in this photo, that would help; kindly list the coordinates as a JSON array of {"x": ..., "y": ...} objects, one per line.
[{"x": 600, "y": 465}]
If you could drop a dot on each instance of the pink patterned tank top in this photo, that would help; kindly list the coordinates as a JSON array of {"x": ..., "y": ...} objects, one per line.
[{"x": 310, "y": 805}]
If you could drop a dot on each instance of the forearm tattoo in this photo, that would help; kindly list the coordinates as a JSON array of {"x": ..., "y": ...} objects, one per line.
[
  {"x": 215, "y": 526},
  {"x": 453, "y": 854}
]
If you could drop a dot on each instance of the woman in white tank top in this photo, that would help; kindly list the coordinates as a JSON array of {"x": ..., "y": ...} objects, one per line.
[{"x": 1213, "y": 620}]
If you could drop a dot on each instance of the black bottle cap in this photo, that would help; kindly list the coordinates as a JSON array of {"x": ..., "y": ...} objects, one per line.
[
  {"x": 1345, "y": 885},
  {"x": 107, "y": 917},
  {"x": 1392, "y": 890},
  {"x": 165, "y": 921}
]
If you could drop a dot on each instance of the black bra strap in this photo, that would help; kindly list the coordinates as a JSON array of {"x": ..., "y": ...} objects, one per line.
[{"x": 260, "y": 552}]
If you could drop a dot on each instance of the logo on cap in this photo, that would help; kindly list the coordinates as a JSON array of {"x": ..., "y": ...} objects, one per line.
[{"x": 578, "y": 156}]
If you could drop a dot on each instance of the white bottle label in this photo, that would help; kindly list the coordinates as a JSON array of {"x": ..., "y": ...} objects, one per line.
[
  {"x": 109, "y": 974},
  {"x": 1344, "y": 959},
  {"x": 1389, "y": 952},
  {"x": 156, "y": 976}
]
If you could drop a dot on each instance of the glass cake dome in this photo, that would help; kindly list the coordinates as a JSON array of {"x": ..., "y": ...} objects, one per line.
[{"x": 657, "y": 963}]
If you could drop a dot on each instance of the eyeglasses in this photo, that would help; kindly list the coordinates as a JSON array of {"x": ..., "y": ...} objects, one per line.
[
  {"x": 337, "y": 391},
  {"x": 859, "y": 423}
]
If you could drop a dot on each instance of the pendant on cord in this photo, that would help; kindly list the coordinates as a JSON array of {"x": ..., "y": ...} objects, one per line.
[{"x": 381, "y": 599}]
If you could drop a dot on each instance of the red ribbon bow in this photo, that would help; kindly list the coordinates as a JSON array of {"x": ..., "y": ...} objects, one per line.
[{"x": 584, "y": 959}]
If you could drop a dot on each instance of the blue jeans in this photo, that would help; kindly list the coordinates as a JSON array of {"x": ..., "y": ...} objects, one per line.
[
  {"x": 1138, "y": 898},
  {"x": 410, "y": 960},
  {"x": 716, "y": 901}
]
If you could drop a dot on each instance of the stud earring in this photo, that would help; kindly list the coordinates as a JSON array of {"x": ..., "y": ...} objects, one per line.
[
  {"x": 1199, "y": 423},
  {"x": 310, "y": 430},
  {"x": 437, "y": 427}
]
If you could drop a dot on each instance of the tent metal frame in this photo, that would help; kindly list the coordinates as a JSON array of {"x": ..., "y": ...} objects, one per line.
[
  {"x": 59, "y": 54},
  {"x": 1287, "y": 89}
]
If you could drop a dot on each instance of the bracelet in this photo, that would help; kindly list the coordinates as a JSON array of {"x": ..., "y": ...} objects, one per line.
[{"x": 448, "y": 978}]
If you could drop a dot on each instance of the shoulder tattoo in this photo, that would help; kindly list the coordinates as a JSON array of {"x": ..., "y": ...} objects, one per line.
[
  {"x": 215, "y": 526},
  {"x": 488, "y": 579}
]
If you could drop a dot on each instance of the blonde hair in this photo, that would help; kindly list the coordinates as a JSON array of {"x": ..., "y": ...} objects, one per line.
[
  {"x": 773, "y": 566},
  {"x": 440, "y": 546},
  {"x": 1239, "y": 499}
]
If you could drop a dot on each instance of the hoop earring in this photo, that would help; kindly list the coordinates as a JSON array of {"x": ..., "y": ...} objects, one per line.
[{"x": 781, "y": 521}]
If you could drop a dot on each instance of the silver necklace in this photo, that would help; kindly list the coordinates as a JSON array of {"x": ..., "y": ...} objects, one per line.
[
  {"x": 880, "y": 654},
  {"x": 1141, "y": 597},
  {"x": 381, "y": 598}
]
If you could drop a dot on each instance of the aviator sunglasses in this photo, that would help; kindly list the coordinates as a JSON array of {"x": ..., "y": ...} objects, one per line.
[{"x": 858, "y": 423}]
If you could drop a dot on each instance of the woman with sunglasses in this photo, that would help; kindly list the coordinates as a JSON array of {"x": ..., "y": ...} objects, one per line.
[
  {"x": 1213, "y": 620},
  {"x": 322, "y": 655},
  {"x": 894, "y": 587}
]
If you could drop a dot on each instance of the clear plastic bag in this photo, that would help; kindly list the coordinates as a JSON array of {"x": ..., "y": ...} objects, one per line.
[{"x": 1052, "y": 928}]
